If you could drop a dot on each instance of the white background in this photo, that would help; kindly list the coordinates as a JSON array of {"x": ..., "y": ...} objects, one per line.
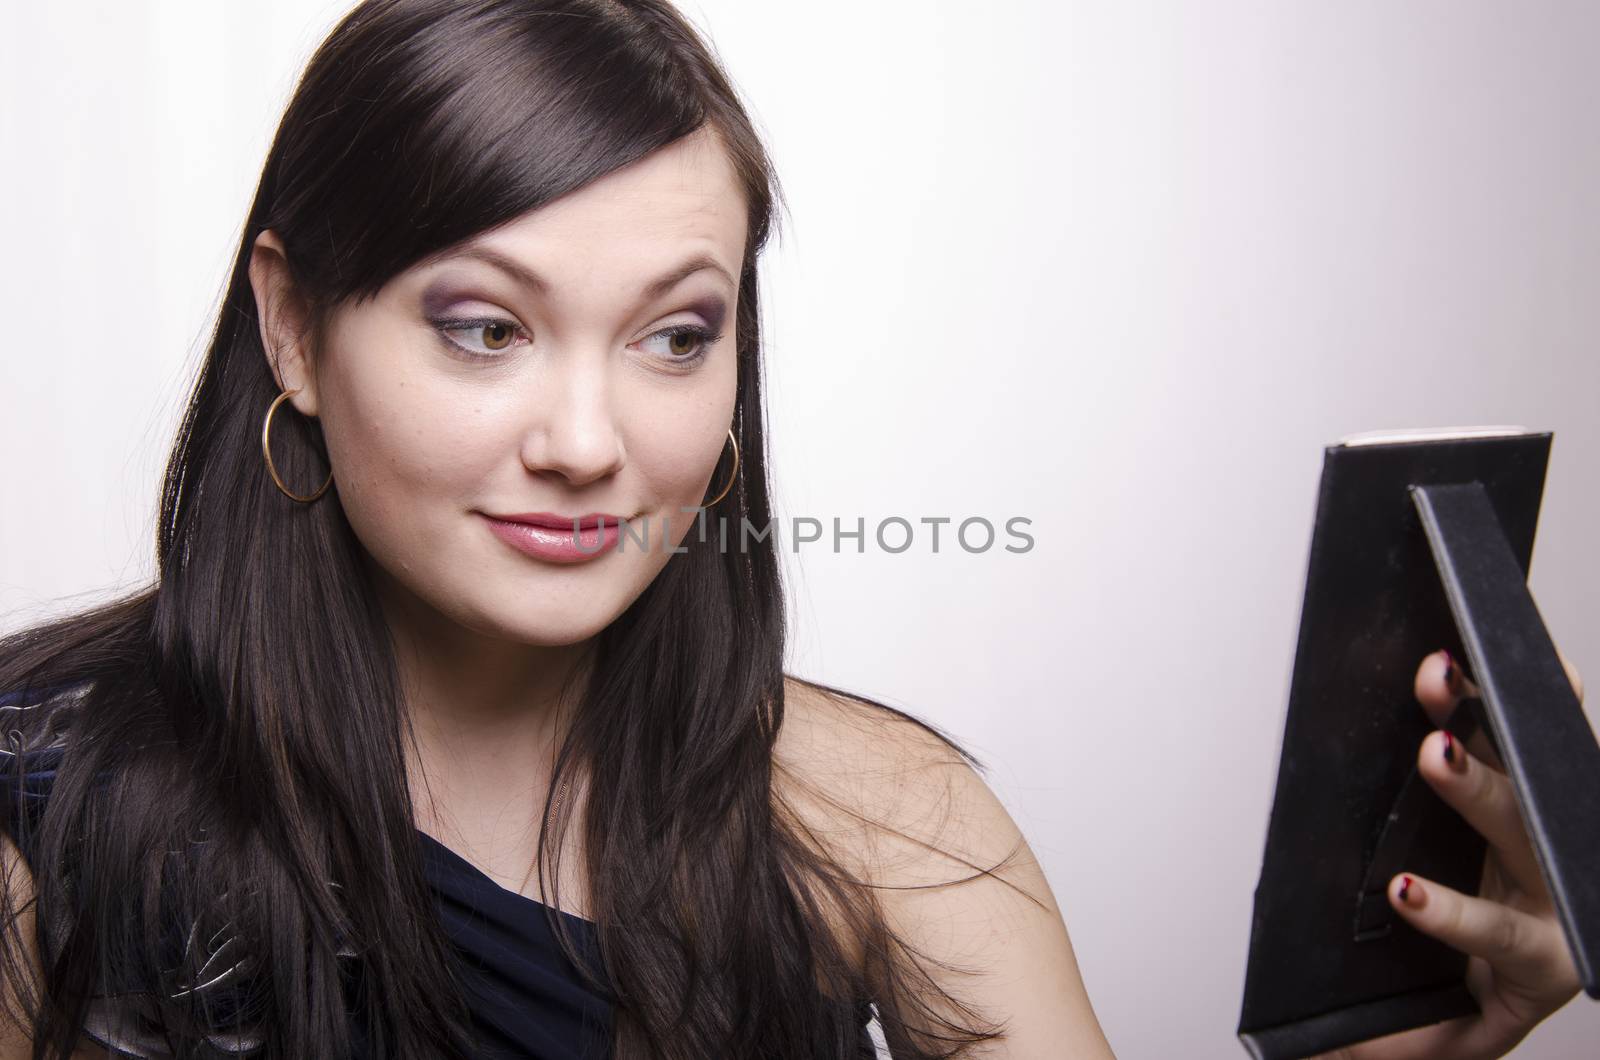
[{"x": 1120, "y": 268}]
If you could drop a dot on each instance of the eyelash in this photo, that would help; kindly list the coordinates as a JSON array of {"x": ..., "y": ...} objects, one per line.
[{"x": 445, "y": 326}]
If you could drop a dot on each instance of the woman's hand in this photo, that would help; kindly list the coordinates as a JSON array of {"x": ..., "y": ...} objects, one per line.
[{"x": 1519, "y": 967}]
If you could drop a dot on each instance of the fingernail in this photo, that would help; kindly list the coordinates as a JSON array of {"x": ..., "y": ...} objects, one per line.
[
  {"x": 1411, "y": 893},
  {"x": 1452, "y": 672},
  {"x": 1454, "y": 755}
]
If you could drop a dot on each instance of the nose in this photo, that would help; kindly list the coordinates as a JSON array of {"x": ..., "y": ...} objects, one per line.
[{"x": 573, "y": 430}]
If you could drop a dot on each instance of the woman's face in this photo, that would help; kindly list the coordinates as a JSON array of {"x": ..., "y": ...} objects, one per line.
[{"x": 554, "y": 365}]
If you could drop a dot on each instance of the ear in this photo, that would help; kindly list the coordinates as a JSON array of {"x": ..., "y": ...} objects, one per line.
[{"x": 284, "y": 318}]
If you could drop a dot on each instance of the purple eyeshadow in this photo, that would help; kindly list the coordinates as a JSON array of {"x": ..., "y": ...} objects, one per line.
[
  {"x": 714, "y": 310},
  {"x": 439, "y": 296}
]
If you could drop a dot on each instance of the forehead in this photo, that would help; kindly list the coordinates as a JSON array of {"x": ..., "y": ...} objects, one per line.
[{"x": 685, "y": 197}]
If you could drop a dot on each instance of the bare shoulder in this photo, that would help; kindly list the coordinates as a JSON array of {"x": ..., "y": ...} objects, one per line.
[
  {"x": 886, "y": 787},
  {"x": 854, "y": 746},
  {"x": 903, "y": 809},
  {"x": 16, "y": 1041}
]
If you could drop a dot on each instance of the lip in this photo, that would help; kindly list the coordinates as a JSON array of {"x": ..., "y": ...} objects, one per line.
[
  {"x": 559, "y": 521},
  {"x": 553, "y": 538}
]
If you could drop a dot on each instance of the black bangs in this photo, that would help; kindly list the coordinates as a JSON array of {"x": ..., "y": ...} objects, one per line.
[{"x": 454, "y": 118}]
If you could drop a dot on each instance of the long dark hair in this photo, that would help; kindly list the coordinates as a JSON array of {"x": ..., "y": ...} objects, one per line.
[{"x": 236, "y": 731}]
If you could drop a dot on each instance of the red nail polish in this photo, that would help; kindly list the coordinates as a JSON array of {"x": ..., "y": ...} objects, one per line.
[
  {"x": 1405, "y": 886},
  {"x": 1453, "y": 676},
  {"x": 1449, "y": 747}
]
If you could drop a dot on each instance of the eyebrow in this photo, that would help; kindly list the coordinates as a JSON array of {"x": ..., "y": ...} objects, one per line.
[{"x": 654, "y": 289}]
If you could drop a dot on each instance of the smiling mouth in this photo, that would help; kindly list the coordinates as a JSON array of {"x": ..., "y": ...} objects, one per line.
[
  {"x": 557, "y": 521},
  {"x": 559, "y": 543}
]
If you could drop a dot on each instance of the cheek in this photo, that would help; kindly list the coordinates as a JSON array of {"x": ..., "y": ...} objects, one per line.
[
  {"x": 674, "y": 448},
  {"x": 679, "y": 460},
  {"x": 675, "y": 445},
  {"x": 406, "y": 460}
]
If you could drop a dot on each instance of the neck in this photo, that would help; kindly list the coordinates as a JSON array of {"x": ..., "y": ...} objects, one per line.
[{"x": 487, "y": 717}]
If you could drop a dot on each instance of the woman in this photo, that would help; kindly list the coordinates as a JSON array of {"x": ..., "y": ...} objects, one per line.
[{"x": 378, "y": 767}]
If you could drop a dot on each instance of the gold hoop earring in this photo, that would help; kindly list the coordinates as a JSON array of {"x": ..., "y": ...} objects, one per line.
[
  {"x": 732, "y": 475},
  {"x": 266, "y": 450}
]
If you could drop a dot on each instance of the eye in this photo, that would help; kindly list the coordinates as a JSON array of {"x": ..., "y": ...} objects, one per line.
[
  {"x": 683, "y": 344},
  {"x": 481, "y": 339}
]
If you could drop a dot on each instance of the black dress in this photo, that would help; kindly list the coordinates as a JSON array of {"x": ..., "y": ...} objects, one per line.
[{"x": 527, "y": 1001}]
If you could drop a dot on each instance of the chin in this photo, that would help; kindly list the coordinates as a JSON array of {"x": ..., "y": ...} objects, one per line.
[
  {"x": 560, "y": 636},
  {"x": 552, "y": 631}
]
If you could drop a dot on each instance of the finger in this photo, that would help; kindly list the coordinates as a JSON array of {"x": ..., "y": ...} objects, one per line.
[
  {"x": 1440, "y": 685},
  {"x": 1462, "y": 1036},
  {"x": 1483, "y": 796},
  {"x": 1435, "y": 688},
  {"x": 1517, "y": 945},
  {"x": 1572, "y": 674}
]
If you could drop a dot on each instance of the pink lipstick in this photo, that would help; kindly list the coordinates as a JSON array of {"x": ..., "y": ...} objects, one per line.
[{"x": 558, "y": 538}]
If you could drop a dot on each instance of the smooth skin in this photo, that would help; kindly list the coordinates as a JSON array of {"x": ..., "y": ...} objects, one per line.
[
  {"x": 1520, "y": 969},
  {"x": 16, "y": 1043},
  {"x": 580, "y": 403},
  {"x": 577, "y": 399}
]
